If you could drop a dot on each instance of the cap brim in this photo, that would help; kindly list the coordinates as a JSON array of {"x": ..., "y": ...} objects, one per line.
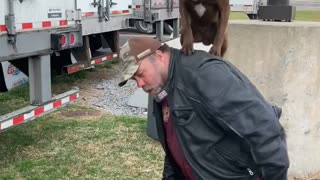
[
  {"x": 122, "y": 83},
  {"x": 128, "y": 74}
]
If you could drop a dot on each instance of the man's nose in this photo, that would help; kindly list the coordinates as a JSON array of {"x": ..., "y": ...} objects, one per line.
[{"x": 140, "y": 83}]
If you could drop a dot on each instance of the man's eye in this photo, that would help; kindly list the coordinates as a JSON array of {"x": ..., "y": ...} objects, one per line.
[{"x": 140, "y": 73}]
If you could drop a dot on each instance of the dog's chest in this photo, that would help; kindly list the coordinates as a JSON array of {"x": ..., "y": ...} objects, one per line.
[{"x": 200, "y": 9}]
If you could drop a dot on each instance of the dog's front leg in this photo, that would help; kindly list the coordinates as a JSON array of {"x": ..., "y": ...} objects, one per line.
[
  {"x": 224, "y": 12},
  {"x": 186, "y": 38}
]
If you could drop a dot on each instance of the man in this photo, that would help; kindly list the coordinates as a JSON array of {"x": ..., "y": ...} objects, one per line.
[{"x": 212, "y": 122}]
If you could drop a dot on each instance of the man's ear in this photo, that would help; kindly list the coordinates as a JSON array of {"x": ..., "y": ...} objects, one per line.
[{"x": 159, "y": 55}]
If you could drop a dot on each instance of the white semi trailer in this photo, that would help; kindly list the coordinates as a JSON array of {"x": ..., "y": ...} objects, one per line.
[
  {"x": 40, "y": 37},
  {"x": 249, "y": 7}
]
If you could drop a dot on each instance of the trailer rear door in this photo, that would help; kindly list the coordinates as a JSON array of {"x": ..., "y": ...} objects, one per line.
[
  {"x": 162, "y": 4},
  {"x": 118, "y": 7},
  {"x": 87, "y": 7},
  {"x": 37, "y": 14}
]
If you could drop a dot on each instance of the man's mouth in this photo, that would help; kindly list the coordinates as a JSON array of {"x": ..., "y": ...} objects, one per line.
[{"x": 148, "y": 90}]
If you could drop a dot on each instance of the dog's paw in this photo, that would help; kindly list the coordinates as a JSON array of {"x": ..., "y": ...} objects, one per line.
[
  {"x": 186, "y": 41},
  {"x": 187, "y": 49},
  {"x": 215, "y": 51}
]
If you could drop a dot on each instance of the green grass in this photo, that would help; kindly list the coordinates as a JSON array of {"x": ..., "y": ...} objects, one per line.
[
  {"x": 108, "y": 64},
  {"x": 237, "y": 15},
  {"x": 19, "y": 97},
  {"x": 71, "y": 78},
  {"x": 307, "y": 15},
  {"x": 59, "y": 146},
  {"x": 14, "y": 99}
]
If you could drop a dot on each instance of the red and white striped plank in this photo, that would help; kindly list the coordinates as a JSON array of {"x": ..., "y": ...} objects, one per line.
[
  {"x": 88, "y": 14},
  {"x": 38, "y": 111},
  {"x": 246, "y": 5},
  {"x": 74, "y": 68},
  {"x": 160, "y": 4},
  {"x": 120, "y": 12},
  {"x": 3, "y": 28},
  {"x": 106, "y": 58},
  {"x": 39, "y": 25}
]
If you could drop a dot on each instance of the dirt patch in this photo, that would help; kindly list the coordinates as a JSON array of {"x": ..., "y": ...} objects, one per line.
[{"x": 310, "y": 177}]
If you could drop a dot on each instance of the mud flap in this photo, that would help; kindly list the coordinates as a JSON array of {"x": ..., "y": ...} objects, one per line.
[{"x": 11, "y": 77}]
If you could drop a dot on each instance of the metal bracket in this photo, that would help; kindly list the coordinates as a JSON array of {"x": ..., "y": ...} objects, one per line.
[
  {"x": 72, "y": 15},
  {"x": 125, "y": 23},
  {"x": 99, "y": 5},
  {"x": 10, "y": 26},
  {"x": 95, "y": 3},
  {"x": 112, "y": 3},
  {"x": 11, "y": 29},
  {"x": 146, "y": 8},
  {"x": 100, "y": 11},
  {"x": 170, "y": 6},
  {"x": 106, "y": 12}
]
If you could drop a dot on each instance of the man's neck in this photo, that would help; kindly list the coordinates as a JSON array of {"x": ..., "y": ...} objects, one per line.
[
  {"x": 166, "y": 71},
  {"x": 166, "y": 77}
]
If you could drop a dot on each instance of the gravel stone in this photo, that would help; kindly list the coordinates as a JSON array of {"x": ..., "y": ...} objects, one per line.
[{"x": 115, "y": 99}]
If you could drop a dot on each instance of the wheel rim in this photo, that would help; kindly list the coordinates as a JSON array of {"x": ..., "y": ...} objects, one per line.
[{"x": 144, "y": 26}]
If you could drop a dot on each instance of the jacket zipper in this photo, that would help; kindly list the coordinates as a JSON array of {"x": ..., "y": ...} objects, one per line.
[
  {"x": 253, "y": 155},
  {"x": 250, "y": 172}
]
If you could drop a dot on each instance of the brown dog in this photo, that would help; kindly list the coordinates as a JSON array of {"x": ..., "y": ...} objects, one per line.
[{"x": 204, "y": 21}]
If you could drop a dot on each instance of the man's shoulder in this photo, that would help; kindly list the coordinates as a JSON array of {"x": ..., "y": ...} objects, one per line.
[{"x": 197, "y": 59}]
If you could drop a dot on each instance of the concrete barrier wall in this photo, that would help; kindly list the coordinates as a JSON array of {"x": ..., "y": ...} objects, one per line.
[{"x": 283, "y": 60}]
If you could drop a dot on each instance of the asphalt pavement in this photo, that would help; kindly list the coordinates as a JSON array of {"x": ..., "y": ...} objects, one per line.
[{"x": 124, "y": 35}]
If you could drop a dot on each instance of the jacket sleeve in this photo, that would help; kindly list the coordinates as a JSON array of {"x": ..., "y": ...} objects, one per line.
[
  {"x": 169, "y": 172},
  {"x": 238, "y": 107}
]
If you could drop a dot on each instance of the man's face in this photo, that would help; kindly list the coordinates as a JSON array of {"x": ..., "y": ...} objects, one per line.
[{"x": 152, "y": 73}]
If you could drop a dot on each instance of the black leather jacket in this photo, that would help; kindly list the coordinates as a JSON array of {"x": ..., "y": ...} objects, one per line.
[{"x": 225, "y": 127}]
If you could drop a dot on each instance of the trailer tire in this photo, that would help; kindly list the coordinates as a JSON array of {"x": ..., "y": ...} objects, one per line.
[
  {"x": 252, "y": 16},
  {"x": 168, "y": 29},
  {"x": 95, "y": 42},
  {"x": 3, "y": 87},
  {"x": 143, "y": 27}
]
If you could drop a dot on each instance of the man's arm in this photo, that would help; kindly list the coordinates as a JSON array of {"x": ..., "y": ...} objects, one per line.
[{"x": 238, "y": 107}]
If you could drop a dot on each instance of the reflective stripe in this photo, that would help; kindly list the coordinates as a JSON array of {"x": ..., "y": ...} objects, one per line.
[{"x": 21, "y": 118}]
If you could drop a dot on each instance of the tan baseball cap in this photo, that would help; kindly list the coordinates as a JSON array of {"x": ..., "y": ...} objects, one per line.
[{"x": 131, "y": 54}]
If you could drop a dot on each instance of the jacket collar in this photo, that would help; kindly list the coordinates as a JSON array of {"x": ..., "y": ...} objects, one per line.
[{"x": 174, "y": 55}]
